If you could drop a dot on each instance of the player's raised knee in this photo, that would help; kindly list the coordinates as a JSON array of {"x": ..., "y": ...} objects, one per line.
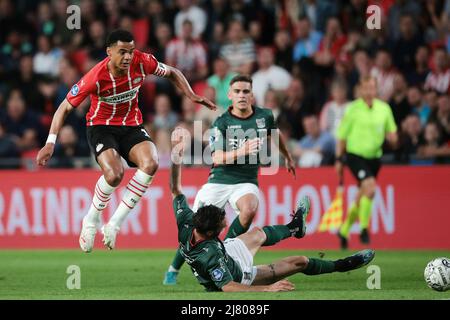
[
  {"x": 113, "y": 176},
  {"x": 149, "y": 166}
]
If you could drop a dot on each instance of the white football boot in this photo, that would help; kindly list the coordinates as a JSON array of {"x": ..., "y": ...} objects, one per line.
[
  {"x": 109, "y": 235},
  {"x": 87, "y": 235}
]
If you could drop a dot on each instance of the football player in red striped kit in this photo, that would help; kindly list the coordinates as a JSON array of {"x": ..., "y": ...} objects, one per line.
[{"x": 114, "y": 129}]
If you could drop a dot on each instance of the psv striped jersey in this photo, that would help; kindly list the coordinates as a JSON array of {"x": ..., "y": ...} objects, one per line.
[{"x": 114, "y": 100}]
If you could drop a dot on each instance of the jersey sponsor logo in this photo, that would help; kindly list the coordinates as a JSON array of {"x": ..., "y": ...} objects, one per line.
[
  {"x": 137, "y": 80},
  {"x": 98, "y": 147},
  {"x": 217, "y": 274},
  {"x": 75, "y": 89},
  {"x": 121, "y": 97},
  {"x": 261, "y": 123},
  {"x": 236, "y": 126}
]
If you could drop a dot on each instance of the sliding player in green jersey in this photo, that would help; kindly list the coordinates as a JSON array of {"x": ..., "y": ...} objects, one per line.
[
  {"x": 366, "y": 124},
  {"x": 238, "y": 141},
  {"x": 228, "y": 266}
]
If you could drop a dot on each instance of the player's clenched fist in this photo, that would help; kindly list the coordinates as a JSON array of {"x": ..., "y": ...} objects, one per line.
[{"x": 45, "y": 154}]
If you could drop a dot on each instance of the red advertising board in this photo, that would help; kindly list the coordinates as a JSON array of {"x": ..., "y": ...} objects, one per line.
[{"x": 44, "y": 209}]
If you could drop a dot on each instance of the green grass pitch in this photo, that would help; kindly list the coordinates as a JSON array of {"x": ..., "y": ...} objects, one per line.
[{"x": 138, "y": 274}]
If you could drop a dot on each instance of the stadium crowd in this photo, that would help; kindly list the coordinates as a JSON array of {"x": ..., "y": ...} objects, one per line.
[{"x": 305, "y": 58}]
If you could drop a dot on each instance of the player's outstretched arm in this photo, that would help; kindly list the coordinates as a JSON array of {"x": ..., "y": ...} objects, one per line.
[
  {"x": 177, "y": 77},
  {"x": 178, "y": 140},
  {"x": 57, "y": 122},
  {"x": 282, "y": 285},
  {"x": 290, "y": 163}
]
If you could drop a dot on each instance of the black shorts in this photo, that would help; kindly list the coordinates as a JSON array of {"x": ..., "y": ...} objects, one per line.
[
  {"x": 363, "y": 168},
  {"x": 119, "y": 138}
]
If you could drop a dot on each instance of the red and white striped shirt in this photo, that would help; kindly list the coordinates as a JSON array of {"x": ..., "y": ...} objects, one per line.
[{"x": 114, "y": 100}]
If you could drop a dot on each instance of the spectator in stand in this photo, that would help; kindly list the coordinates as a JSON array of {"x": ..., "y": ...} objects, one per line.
[
  {"x": 96, "y": 40},
  {"x": 296, "y": 106},
  {"x": 8, "y": 147},
  {"x": 417, "y": 76},
  {"x": 363, "y": 65},
  {"x": 283, "y": 49},
  {"x": 193, "y": 13},
  {"x": 164, "y": 118},
  {"x": 220, "y": 81},
  {"x": 68, "y": 149},
  {"x": 163, "y": 36},
  {"x": 188, "y": 54},
  {"x": 434, "y": 148},
  {"x": 331, "y": 44},
  {"x": 268, "y": 75},
  {"x": 239, "y": 51},
  {"x": 316, "y": 147},
  {"x": 333, "y": 110},
  {"x": 272, "y": 101},
  {"x": 308, "y": 40},
  {"x": 439, "y": 78},
  {"x": 157, "y": 16},
  {"x": 442, "y": 115},
  {"x": 409, "y": 139},
  {"x": 384, "y": 72},
  {"x": 407, "y": 44},
  {"x": 27, "y": 80},
  {"x": 399, "y": 101},
  {"x": 418, "y": 105},
  {"x": 22, "y": 124},
  {"x": 46, "y": 60}
]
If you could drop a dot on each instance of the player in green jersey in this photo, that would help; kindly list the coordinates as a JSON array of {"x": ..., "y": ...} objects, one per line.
[
  {"x": 228, "y": 266},
  {"x": 238, "y": 140},
  {"x": 366, "y": 124}
]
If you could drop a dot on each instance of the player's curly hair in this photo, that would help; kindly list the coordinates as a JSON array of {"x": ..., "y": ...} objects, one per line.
[{"x": 209, "y": 220}]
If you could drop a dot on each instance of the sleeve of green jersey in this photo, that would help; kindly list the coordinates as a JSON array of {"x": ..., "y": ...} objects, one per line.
[
  {"x": 219, "y": 273},
  {"x": 345, "y": 125},
  {"x": 390, "y": 122},
  {"x": 181, "y": 209},
  {"x": 217, "y": 137}
]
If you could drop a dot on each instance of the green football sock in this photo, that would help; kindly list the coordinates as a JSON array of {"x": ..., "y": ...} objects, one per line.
[
  {"x": 318, "y": 266},
  {"x": 275, "y": 234},
  {"x": 178, "y": 260},
  {"x": 365, "y": 209},
  {"x": 236, "y": 229},
  {"x": 351, "y": 218}
]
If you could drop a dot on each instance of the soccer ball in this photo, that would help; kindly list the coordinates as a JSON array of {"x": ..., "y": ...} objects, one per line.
[{"x": 437, "y": 274}]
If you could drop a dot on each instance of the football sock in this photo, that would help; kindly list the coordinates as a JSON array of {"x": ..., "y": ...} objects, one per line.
[
  {"x": 177, "y": 262},
  {"x": 319, "y": 266},
  {"x": 135, "y": 190},
  {"x": 236, "y": 229},
  {"x": 102, "y": 195},
  {"x": 351, "y": 218},
  {"x": 275, "y": 234},
  {"x": 172, "y": 269},
  {"x": 365, "y": 209}
]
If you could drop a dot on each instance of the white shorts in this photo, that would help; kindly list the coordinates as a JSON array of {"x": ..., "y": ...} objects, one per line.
[
  {"x": 237, "y": 250},
  {"x": 219, "y": 194}
]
